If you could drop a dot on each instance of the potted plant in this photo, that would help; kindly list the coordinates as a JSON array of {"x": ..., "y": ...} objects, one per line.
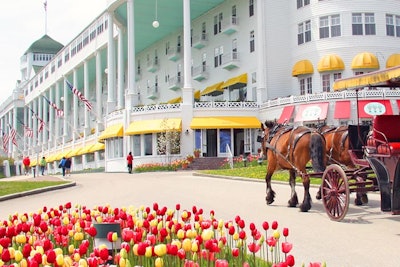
[
  {"x": 196, "y": 152},
  {"x": 190, "y": 158}
]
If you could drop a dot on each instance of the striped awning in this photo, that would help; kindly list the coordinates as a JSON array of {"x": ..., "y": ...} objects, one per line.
[
  {"x": 154, "y": 126},
  {"x": 330, "y": 63},
  {"x": 302, "y": 67},
  {"x": 365, "y": 60}
]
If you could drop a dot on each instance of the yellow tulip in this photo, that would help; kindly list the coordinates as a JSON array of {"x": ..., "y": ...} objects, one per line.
[
  {"x": 276, "y": 234},
  {"x": 195, "y": 246},
  {"x": 60, "y": 260},
  {"x": 160, "y": 250},
  {"x": 18, "y": 256},
  {"x": 236, "y": 236},
  {"x": 180, "y": 234},
  {"x": 78, "y": 236},
  {"x": 46, "y": 217},
  {"x": 23, "y": 218},
  {"x": 135, "y": 249},
  {"x": 207, "y": 234},
  {"x": 159, "y": 262},
  {"x": 40, "y": 250},
  {"x": 83, "y": 263},
  {"x": 187, "y": 245},
  {"x": 99, "y": 219},
  {"x": 114, "y": 237},
  {"x": 21, "y": 239},
  {"x": 23, "y": 263},
  {"x": 185, "y": 215},
  {"x": 177, "y": 243},
  {"x": 12, "y": 252},
  {"x": 65, "y": 220},
  {"x": 77, "y": 257},
  {"x": 58, "y": 251},
  {"x": 44, "y": 259},
  {"x": 123, "y": 253},
  {"x": 149, "y": 252},
  {"x": 71, "y": 249},
  {"x": 122, "y": 262},
  {"x": 67, "y": 261},
  {"x": 220, "y": 224}
]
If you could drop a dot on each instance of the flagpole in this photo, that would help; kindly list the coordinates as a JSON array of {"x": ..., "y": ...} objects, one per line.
[{"x": 45, "y": 16}]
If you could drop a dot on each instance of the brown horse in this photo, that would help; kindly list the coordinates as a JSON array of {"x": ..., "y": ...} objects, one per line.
[{"x": 291, "y": 148}]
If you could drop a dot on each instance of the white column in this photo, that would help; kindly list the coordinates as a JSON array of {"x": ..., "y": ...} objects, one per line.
[
  {"x": 35, "y": 124},
  {"x": 187, "y": 90},
  {"x": 75, "y": 119},
  {"x": 14, "y": 125},
  {"x": 40, "y": 114},
  {"x": 87, "y": 95},
  {"x": 59, "y": 120},
  {"x": 132, "y": 98},
  {"x": 66, "y": 108},
  {"x": 52, "y": 117},
  {"x": 260, "y": 51},
  {"x": 121, "y": 70},
  {"x": 46, "y": 129},
  {"x": 111, "y": 65},
  {"x": 99, "y": 91},
  {"x": 27, "y": 140}
]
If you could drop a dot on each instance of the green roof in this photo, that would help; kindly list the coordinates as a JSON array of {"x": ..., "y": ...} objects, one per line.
[{"x": 45, "y": 45}]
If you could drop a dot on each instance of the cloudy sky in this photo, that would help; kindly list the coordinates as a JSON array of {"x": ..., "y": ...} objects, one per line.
[{"x": 23, "y": 21}]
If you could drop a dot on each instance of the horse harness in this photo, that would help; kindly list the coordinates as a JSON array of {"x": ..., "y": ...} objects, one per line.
[{"x": 336, "y": 130}]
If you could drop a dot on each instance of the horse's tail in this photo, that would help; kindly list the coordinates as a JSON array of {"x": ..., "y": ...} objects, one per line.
[{"x": 318, "y": 152}]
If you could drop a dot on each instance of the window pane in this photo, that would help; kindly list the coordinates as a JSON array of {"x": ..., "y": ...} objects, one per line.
[
  {"x": 357, "y": 29},
  {"x": 136, "y": 145},
  {"x": 148, "y": 144},
  {"x": 224, "y": 140}
]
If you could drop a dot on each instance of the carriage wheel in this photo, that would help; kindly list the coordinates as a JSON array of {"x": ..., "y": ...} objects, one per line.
[{"x": 335, "y": 192}]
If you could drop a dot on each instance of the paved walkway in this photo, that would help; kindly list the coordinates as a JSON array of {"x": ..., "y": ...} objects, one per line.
[{"x": 366, "y": 237}]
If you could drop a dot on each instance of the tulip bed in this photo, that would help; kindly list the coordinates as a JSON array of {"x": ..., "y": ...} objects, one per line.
[{"x": 150, "y": 236}]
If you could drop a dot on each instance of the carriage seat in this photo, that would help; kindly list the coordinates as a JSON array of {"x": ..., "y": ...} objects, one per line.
[{"x": 385, "y": 135}]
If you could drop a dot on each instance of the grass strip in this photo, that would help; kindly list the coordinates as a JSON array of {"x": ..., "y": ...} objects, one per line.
[{"x": 12, "y": 187}]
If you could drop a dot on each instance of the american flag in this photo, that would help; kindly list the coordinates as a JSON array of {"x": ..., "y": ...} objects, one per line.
[
  {"x": 79, "y": 95},
  {"x": 13, "y": 135},
  {"x": 59, "y": 112},
  {"x": 41, "y": 122},
  {"x": 28, "y": 132},
  {"x": 6, "y": 138}
]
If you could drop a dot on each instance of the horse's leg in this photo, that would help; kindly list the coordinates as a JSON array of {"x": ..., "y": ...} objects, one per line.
[
  {"x": 270, "y": 194},
  {"x": 306, "y": 205},
  {"x": 293, "y": 201},
  {"x": 318, "y": 196}
]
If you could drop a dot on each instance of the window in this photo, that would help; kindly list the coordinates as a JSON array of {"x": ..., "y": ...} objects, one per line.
[
  {"x": 204, "y": 61},
  {"x": 326, "y": 82},
  {"x": 301, "y": 3},
  {"x": 148, "y": 144},
  {"x": 335, "y": 26},
  {"x": 357, "y": 25},
  {"x": 392, "y": 25},
  {"x": 324, "y": 27},
  {"x": 302, "y": 87},
  {"x": 309, "y": 85},
  {"x": 251, "y": 8},
  {"x": 114, "y": 147},
  {"x": 218, "y": 52},
  {"x": 305, "y": 86},
  {"x": 304, "y": 32},
  {"x": 225, "y": 140},
  {"x": 369, "y": 24},
  {"x": 217, "y": 23},
  {"x": 337, "y": 75},
  {"x": 167, "y": 47},
  {"x": 252, "y": 44}
]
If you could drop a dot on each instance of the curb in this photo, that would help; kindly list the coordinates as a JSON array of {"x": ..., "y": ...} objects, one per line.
[{"x": 37, "y": 191}]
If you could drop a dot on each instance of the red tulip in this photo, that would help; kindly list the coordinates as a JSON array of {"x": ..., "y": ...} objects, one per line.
[
  {"x": 231, "y": 230},
  {"x": 290, "y": 260},
  {"x": 285, "y": 231},
  {"x": 103, "y": 254},
  {"x": 237, "y": 218},
  {"x": 271, "y": 241},
  {"x": 221, "y": 263},
  {"x": 51, "y": 256},
  {"x": 26, "y": 250},
  {"x": 242, "y": 235},
  {"x": 235, "y": 252},
  {"x": 315, "y": 264},
  {"x": 5, "y": 255},
  {"x": 181, "y": 253},
  {"x": 252, "y": 226},
  {"x": 178, "y": 206},
  {"x": 5, "y": 242},
  {"x": 93, "y": 262},
  {"x": 274, "y": 225},
  {"x": 68, "y": 205},
  {"x": 253, "y": 247},
  {"x": 33, "y": 263},
  {"x": 126, "y": 246},
  {"x": 172, "y": 249},
  {"x": 286, "y": 247},
  {"x": 241, "y": 224},
  {"x": 83, "y": 249},
  {"x": 155, "y": 206}
]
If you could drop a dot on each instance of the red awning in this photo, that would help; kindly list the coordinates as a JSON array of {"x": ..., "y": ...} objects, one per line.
[
  {"x": 370, "y": 108},
  {"x": 312, "y": 112},
  {"x": 286, "y": 114},
  {"x": 342, "y": 110}
]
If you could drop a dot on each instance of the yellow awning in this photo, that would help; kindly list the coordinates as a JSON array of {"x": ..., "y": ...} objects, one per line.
[
  {"x": 60, "y": 155},
  {"x": 224, "y": 122},
  {"x": 73, "y": 152},
  {"x": 236, "y": 82},
  {"x": 365, "y": 60},
  {"x": 116, "y": 130},
  {"x": 196, "y": 95},
  {"x": 154, "y": 126},
  {"x": 330, "y": 63},
  {"x": 175, "y": 100},
  {"x": 302, "y": 67},
  {"x": 96, "y": 147},
  {"x": 50, "y": 158},
  {"x": 214, "y": 89},
  {"x": 393, "y": 61},
  {"x": 85, "y": 149},
  {"x": 33, "y": 163},
  {"x": 385, "y": 78}
]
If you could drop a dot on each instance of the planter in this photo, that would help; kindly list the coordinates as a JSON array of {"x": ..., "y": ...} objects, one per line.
[{"x": 196, "y": 154}]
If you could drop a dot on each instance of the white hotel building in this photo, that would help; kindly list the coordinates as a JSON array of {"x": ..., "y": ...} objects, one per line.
[{"x": 213, "y": 70}]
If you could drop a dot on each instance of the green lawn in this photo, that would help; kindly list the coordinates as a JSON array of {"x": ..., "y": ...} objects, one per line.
[{"x": 7, "y": 188}]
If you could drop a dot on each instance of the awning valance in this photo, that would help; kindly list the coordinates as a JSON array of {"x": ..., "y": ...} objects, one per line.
[
  {"x": 73, "y": 152},
  {"x": 236, "y": 82},
  {"x": 224, "y": 123},
  {"x": 213, "y": 90},
  {"x": 286, "y": 114},
  {"x": 330, "y": 63},
  {"x": 196, "y": 95},
  {"x": 85, "y": 149},
  {"x": 302, "y": 67},
  {"x": 96, "y": 147},
  {"x": 175, "y": 100},
  {"x": 342, "y": 110},
  {"x": 116, "y": 130},
  {"x": 365, "y": 60},
  {"x": 393, "y": 61},
  {"x": 370, "y": 108},
  {"x": 154, "y": 126},
  {"x": 50, "y": 158},
  {"x": 384, "y": 78},
  {"x": 312, "y": 112}
]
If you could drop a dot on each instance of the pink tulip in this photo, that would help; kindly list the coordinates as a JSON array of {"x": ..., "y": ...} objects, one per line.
[
  {"x": 221, "y": 263},
  {"x": 286, "y": 247}
]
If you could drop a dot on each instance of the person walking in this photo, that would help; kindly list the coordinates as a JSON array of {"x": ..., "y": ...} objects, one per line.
[
  {"x": 27, "y": 162},
  {"x": 62, "y": 165},
  {"x": 68, "y": 163},
  {"x": 129, "y": 160},
  {"x": 42, "y": 165}
]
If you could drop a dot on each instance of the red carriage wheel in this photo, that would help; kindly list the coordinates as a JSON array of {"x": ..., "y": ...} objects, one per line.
[{"x": 335, "y": 192}]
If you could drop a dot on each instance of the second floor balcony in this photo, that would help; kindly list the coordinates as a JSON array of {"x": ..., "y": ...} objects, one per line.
[
  {"x": 175, "y": 83},
  {"x": 174, "y": 54},
  {"x": 230, "y": 61},
  {"x": 230, "y": 26},
  {"x": 153, "y": 65},
  {"x": 200, "y": 73},
  {"x": 200, "y": 41}
]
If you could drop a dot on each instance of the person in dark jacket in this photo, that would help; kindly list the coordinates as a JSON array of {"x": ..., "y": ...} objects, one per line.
[
  {"x": 62, "y": 165},
  {"x": 68, "y": 163}
]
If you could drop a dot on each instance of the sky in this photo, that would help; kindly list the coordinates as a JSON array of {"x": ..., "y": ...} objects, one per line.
[{"x": 22, "y": 22}]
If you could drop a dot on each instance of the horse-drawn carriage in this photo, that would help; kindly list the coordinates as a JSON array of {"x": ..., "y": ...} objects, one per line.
[{"x": 374, "y": 154}]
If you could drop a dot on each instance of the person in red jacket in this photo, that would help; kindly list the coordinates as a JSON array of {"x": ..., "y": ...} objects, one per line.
[
  {"x": 27, "y": 162},
  {"x": 129, "y": 159}
]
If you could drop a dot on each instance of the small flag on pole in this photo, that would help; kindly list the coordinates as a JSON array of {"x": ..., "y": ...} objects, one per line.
[
  {"x": 28, "y": 132},
  {"x": 6, "y": 138},
  {"x": 79, "y": 95},
  {"x": 59, "y": 112},
  {"x": 41, "y": 122}
]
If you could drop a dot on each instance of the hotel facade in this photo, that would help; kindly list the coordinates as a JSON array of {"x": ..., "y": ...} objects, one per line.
[{"x": 210, "y": 70}]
